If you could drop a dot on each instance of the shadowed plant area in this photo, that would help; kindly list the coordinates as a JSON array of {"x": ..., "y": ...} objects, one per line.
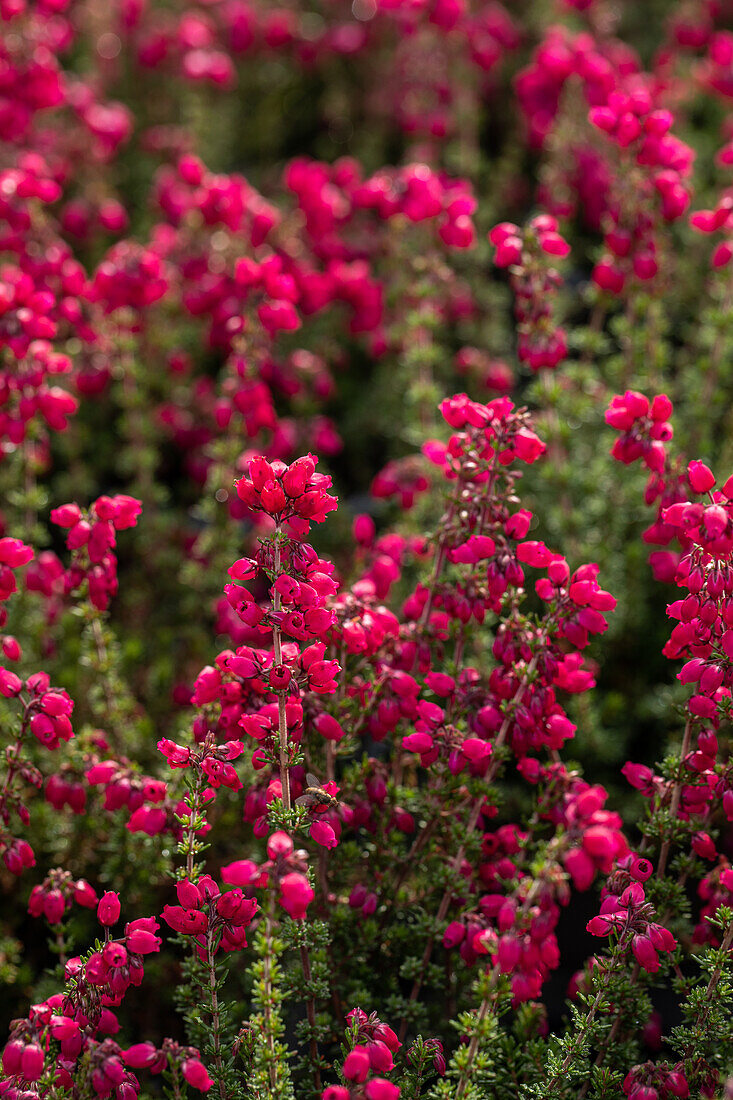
[{"x": 366, "y": 549}]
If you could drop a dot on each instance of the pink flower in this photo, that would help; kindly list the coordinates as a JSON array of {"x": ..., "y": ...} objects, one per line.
[
  {"x": 700, "y": 476},
  {"x": 108, "y": 910},
  {"x": 32, "y": 1062},
  {"x": 295, "y": 894},
  {"x": 189, "y": 921},
  {"x": 140, "y": 936},
  {"x": 323, "y": 834},
  {"x": 195, "y": 1074},
  {"x": 328, "y": 727},
  {"x": 14, "y": 553},
  {"x": 645, "y": 954},
  {"x": 140, "y": 1055},
  {"x": 357, "y": 1064},
  {"x": 243, "y": 872},
  {"x": 380, "y": 1089},
  {"x": 279, "y": 844},
  {"x": 380, "y": 1056}
]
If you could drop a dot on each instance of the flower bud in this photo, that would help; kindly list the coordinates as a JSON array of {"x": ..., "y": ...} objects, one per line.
[{"x": 108, "y": 910}]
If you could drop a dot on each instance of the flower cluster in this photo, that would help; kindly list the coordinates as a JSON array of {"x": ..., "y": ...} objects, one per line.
[
  {"x": 78, "y": 1019},
  {"x": 714, "y": 221},
  {"x": 660, "y": 165},
  {"x": 652, "y": 1080},
  {"x": 13, "y": 555},
  {"x": 542, "y": 343},
  {"x": 645, "y": 428},
  {"x": 372, "y": 1046},
  {"x": 53, "y": 897},
  {"x": 45, "y": 715},
  {"x": 205, "y": 912},
  {"x": 626, "y": 913},
  {"x": 92, "y": 539}
]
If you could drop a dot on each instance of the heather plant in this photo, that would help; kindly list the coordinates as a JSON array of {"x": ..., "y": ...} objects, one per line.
[{"x": 366, "y": 549}]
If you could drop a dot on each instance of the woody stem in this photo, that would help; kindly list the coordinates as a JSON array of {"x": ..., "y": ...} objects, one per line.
[
  {"x": 470, "y": 826},
  {"x": 675, "y": 800},
  {"x": 282, "y": 724},
  {"x": 310, "y": 1006}
]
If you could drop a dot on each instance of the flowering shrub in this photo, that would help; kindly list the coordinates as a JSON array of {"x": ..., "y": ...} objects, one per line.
[{"x": 366, "y": 549}]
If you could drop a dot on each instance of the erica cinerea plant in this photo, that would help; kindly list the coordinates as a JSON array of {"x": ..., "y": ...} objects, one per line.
[{"x": 434, "y": 799}]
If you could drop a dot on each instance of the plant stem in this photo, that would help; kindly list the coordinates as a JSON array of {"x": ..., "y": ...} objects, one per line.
[
  {"x": 190, "y": 841},
  {"x": 675, "y": 800},
  {"x": 215, "y": 1021},
  {"x": 487, "y": 1001},
  {"x": 470, "y": 826},
  {"x": 267, "y": 1007},
  {"x": 661, "y": 867},
  {"x": 613, "y": 1032},
  {"x": 61, "y": 946},
  {"x": 712, "y": 986},
  {"x": 437, "y": 569},
  {"x": 330, "y": 762},
  {"x": 175, "y": 1079},
  {"x": 582, "y": 1033},
  {"x": 103, "y": 660},
  {"x": 11, "y": 757},
  {"x": 472, "y": 1049},
  {"x": 310, "y": 1007},
  {"x": 281, "y": 695}
]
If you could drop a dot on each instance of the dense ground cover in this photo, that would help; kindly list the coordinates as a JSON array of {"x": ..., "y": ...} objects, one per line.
[{"x": 366, "y": 544}]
